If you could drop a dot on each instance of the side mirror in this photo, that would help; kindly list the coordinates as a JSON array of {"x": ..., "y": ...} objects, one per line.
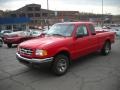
[
  {"x": 42, "y": 34},
  {"x": 94, "y": 33},
  {"x": 79, "y": 35}
]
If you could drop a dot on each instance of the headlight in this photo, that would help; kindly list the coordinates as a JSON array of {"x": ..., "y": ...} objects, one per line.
[{"x": 41, "y": 52}]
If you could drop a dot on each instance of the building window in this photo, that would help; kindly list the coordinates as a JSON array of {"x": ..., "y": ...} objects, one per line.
[
  {"x": 37, "y": 8},
  {"x": 30, "y": 8},
  {"x": 13, "y": 15},
  {"x": 37, "y": 14},
  {"x": 22, "y": 15},
  {"x": 32, "y": 21},
  {"x": 30, "y": 14},
  {"x": 44, "y": 14},
  {"x": 8, "y": 27},
  {"x": 35, "y": 21},
  {"x": 53, "y": 14}
]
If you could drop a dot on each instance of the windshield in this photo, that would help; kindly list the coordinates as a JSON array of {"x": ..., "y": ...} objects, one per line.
[{"x": 61, "y": 30}]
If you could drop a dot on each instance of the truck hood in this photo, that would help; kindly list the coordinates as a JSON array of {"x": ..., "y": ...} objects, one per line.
[{"x": 41, "y": 42}]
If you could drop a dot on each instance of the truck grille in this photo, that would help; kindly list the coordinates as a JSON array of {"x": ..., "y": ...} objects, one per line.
[{"x": 26, "y": 51}]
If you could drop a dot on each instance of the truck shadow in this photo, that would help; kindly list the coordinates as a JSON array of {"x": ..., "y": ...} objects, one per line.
[
  {"x": 78, "y": 63},
  {"x": 85, "y": 59},
  {"x": 43, "y": 73}
]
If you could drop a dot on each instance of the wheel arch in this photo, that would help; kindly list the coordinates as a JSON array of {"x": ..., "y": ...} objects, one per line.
[
  {"x": 109, "y": 41},
  {"x": 64, "y": 52}
]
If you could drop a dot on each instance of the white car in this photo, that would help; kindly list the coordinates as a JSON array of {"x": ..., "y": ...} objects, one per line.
[
  {"x": 98, "y": 28},
  {"x": 35, "y": 33},
  {"x": 116, "y": 30}
]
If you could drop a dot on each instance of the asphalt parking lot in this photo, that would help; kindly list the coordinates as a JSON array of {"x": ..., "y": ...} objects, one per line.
[{"x": 93, "y": 72}]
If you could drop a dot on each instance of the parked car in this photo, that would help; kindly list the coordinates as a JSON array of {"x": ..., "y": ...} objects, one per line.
[
  {"x": 20, "y": 36},
  {"x": 99, "y": 28},
  {"x": 110, "y": 29},
  {"x": 63, "y": 43},
  {"x": 46, "y": 28},
  {"x": 1, "y": 42},
  {"x": 35, "y": 32},
  {"x": 2, "y": 32},
  {"x": 116, "y": 30}
]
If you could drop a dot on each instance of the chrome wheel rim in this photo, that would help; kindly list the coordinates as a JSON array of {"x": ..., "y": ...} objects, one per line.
[{"x": 62, "y": 65}]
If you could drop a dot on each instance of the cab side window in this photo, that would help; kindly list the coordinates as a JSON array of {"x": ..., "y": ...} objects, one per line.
[
  {"x": 92, "y": 29},
  {"x": 81, "y": 31}
]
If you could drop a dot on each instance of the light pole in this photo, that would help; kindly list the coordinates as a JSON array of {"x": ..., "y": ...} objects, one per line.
[
  {"x": 48, "y": 13},
  {"x": 102, "y": 14},
  {"x": 47, "y": 5}
]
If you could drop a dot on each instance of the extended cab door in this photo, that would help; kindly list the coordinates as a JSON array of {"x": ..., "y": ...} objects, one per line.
[
  {"x": 93, "y": 38},
  {"x": 81, "y": 41}
]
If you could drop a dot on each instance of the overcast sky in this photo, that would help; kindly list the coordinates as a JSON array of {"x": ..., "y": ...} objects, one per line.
[{"x": 92, "y": 6}]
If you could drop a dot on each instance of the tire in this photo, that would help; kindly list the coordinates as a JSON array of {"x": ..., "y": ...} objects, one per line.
[
  {"x": 106, "y": 48},
  {"x": 60, "y": 65},
  {"x": 1, "y": 43},
  {"x": 9, "y": 45}
]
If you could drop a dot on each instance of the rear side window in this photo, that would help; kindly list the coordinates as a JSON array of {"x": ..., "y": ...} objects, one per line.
[{"x": 92, "y": 29}]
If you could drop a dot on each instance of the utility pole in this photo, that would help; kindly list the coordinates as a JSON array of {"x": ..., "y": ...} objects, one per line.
[
  {"x": 102, "y": 14},
  {"x": 48, "y": 13}
]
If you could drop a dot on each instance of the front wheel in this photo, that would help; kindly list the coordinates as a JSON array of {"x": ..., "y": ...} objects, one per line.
[
  {"x": 106, "y": 48},
  {"x": 60, "y": 65},
  {"x": 9, "y": 45}
]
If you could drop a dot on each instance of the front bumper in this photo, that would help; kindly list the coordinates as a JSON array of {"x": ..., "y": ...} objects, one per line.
[{"x": 33, "y": 61}]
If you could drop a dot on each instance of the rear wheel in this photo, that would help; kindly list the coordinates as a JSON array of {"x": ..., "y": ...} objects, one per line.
[
  {"x": 60, "y": 65},
  {"x": 9, "y": 45},
  {"x": 106, "y": 48}
]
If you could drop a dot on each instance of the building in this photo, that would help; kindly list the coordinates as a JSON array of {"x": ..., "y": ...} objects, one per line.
[
  {"x": 116, "y": 19},
  {"x": 41, "y": 16},
  {"x": 32, "y": 11},
  {"x": 68, "y": 15},
  {"x": 14, "y": 24},
  {"x": 1, "y": 13},
  {"x": 96, "y": 18}
]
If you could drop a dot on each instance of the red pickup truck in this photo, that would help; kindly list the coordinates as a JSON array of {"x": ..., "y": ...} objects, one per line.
[{"x": 63, "y": 43}]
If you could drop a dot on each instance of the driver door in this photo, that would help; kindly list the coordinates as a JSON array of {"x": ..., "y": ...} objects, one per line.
[{"x": 81, "y": 43}]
